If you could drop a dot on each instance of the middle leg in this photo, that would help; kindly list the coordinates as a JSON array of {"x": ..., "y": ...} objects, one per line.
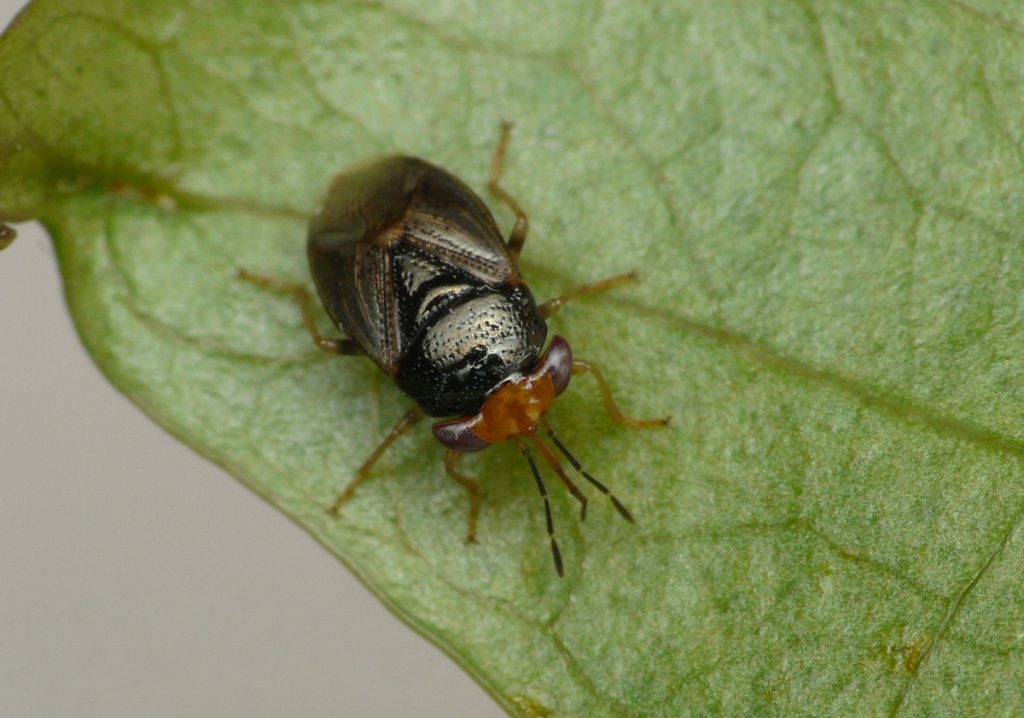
[{"x": 552, "y": 306}]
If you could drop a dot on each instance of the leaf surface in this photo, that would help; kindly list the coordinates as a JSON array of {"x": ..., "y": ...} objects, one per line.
[{"x": 823, "y": 199}]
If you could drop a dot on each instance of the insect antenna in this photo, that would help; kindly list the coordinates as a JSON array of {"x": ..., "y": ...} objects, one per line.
[
  {"x": 547, "y": 507},
  {"x": 623, "y": 511},
  {"x": 555, "y": 464}
]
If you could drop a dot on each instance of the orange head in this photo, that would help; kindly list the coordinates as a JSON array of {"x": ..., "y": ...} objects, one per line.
[{"x": 515, "y": 407}]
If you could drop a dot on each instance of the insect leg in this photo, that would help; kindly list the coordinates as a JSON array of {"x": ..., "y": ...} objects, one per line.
[
  {"x": 555, "y": 553},
  {"x": 552, "y": 306},
  {"x": 301, "y": 295},
  {"x": 518, "y": 235},
  {"x": 584, "y": 367},
  {"x": 470, "y": 485},
  {"x": 408, "y": 420}
]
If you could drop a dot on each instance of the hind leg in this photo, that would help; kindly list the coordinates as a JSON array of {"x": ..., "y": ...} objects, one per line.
[
  {"x": 517, "y": 237},
  {"x": 300, "y": 294},
  {"x": 471, "y": 485},
  {"x": 408, "y": 420}
]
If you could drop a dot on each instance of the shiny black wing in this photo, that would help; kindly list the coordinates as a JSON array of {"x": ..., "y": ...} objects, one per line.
[
  {"x": 448, "y": 220},
  {"x": 372, "y": 209}
]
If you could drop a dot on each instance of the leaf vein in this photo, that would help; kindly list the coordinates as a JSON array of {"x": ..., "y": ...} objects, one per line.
[{"x": 954, "y": 609}]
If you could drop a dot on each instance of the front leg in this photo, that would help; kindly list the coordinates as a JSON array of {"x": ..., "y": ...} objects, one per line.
[{"x": 584, "y": 367}]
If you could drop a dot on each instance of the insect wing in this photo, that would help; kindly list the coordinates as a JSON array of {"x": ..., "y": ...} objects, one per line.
[
  {"x": 449, "y": 221},
  {"x": 368, "y": 212},
  {"x": 350, "y": 258}
]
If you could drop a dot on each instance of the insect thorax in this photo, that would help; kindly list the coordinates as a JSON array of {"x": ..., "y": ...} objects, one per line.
[{"x": 465, "y": 337}]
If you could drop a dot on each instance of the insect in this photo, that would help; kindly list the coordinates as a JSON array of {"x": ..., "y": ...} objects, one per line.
[{"x": 409, "y": 263}]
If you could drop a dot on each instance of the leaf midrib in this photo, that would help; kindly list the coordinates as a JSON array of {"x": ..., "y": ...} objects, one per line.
[{"x": 884, "y": 401}]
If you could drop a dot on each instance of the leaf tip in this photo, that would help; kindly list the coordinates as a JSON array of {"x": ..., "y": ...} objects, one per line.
[{"x": 7, "y": 235}]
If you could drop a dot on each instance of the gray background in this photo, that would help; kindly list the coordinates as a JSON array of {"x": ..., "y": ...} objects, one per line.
[{"x": 137, "y": 579}]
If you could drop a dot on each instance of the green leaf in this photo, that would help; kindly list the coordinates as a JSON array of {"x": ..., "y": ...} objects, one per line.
[{"x": 824, "y": 201}]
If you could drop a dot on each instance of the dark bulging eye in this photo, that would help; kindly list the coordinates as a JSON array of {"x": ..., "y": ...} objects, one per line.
[
  {"x": 557, "y": 363},
  {"x": 455, "y": 434}
]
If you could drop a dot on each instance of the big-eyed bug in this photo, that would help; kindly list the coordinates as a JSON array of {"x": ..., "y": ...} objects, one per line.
[{"x": 409, "y": 263}]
